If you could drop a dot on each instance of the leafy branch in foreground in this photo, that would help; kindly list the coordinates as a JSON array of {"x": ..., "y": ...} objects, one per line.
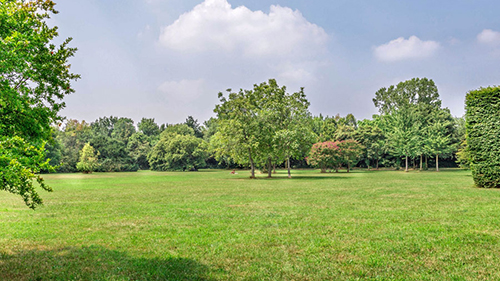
[{"x": 34, "y": 78}]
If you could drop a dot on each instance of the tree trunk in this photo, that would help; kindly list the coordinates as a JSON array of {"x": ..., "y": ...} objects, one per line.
[
  {"x": 421, "y": 158},
  {"x": 437, "y": 163},
  {"x": 426, "y": 164},
  {"x": 288, "y": 164},
  {"x": 348, "y": 167},
  {"x": 377, "y": 163},
  {"x": 406, "y": 160},
  {"x": 323, "y": 169},
  {"x": 252, "y": 166},
  {"x": 274, "y": 168},
  {"x": 269, "y": 168}
]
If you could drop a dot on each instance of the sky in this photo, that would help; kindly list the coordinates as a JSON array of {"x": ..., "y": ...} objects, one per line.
[{"x": 167, "y": 59}]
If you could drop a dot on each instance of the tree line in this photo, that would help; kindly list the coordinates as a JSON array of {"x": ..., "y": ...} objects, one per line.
[{"x": 267, "y": 127}]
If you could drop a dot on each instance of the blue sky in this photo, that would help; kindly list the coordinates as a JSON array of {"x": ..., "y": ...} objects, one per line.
[{"x": 167, "y": 59}]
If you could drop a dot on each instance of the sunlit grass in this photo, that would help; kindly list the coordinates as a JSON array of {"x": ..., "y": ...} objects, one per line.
[{"x": 211, "y": 225}]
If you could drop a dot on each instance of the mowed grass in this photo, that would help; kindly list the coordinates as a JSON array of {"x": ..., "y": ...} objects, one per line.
[{"x": 211, "y": 225}]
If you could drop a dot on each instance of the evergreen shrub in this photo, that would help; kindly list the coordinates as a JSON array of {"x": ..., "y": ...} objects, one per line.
[{"x": 483, "y": 135}]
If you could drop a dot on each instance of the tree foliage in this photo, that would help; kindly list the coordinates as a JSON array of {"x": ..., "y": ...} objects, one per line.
[
  {"x": 350, "y": 151},
  {"x": 331, "y": 155},
  {"x": 176, "y": 152},
  {"x": 483, "y": 145},
  {"x": 193, "y": 124},
  {"x": 413, "y": 120},
  {"x": 372, "y": 138},
  {"x": 88, "y": 159},
  {"x": 110, "y": 136},
  {"x": 148, "y": 127},
  {"x": 239, "y": 128},
  {"x": 34, "y": 78},
  {"x": 20, "y": 162},
  {"x": 262, "y": 126},
  {"x": 325, "y": 155}
]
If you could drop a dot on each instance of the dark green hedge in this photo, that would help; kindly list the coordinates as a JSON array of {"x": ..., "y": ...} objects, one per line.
[{"x": 483, "y": 135}]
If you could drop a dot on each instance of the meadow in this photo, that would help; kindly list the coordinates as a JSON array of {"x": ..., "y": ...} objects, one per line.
[{"x": 211, "y": 225}]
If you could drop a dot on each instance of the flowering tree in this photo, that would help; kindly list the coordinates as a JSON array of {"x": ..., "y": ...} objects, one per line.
[{"x": 325, "y": 155}]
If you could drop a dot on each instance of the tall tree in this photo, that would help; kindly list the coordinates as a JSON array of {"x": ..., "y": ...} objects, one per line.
[
  {"x": 193, "y": 124},
  {"x": 290, "y": 133},
  {"x": 239, "y": 128},
  {"x": 148, "y": 127},
  {"x": 401, "y": 129},
  {"x": 325, "y": 128},
  {"x": 138, "y": 148},
  {"x": 34, "y": 78},
  {"x": 350, "y": 151},
  {"x": 72, "y": 139},
  {"x": 417, "y": 91},
  {"x": 439, "y": 137},
  {"x": 408, "y": 106},
  {"x": 210, "y": 127},
  {"x": 265, "y": 124},
  {"x": 372, "y": 138},
  {"x": 110, "y": 136},
  {"x": 177, "y": 151}
]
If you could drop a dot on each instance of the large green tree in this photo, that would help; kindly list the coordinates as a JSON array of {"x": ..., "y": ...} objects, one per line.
[
  {"x": 372, "y": 138},
  {"x": 178, "y": 152},
  {"x": 262, "y": 126},
  {"x": 405, "y": 111},
  {"x": 34, "y": 78},
  {"x": 139, "y": 147},
  {"x": 238, "y": 128},
  {"x": 288, "y": 124},
  {"x": 110, "y": 136},
  {"x": 401, "y": 129}
]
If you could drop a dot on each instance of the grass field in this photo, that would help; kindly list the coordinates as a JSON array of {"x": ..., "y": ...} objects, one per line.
[{"x": 211, "y": 225}]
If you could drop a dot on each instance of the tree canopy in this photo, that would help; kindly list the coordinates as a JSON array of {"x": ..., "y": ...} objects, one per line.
[
  {"x": 34, "y": 78},
  {"x": 262, "y": 126}
]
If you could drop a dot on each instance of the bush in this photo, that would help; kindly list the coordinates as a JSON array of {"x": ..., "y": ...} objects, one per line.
[{"x": 482, "y": 119}]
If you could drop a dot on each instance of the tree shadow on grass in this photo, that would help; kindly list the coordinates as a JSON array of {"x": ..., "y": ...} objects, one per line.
[
  {"x": 283, "y": 178},
  {"x": 332, "y": 177},
  {"x": 96, "y": 263}
]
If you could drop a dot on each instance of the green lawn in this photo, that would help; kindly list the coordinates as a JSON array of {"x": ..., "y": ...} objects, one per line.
[{"x": 211, "y": 225}]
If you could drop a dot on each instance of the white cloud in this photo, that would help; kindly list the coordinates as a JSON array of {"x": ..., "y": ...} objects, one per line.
[
  {"x": 489, "y": 37},
  {"x": 215, "y": 26},
  {"x": 402, "y": 49}
]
